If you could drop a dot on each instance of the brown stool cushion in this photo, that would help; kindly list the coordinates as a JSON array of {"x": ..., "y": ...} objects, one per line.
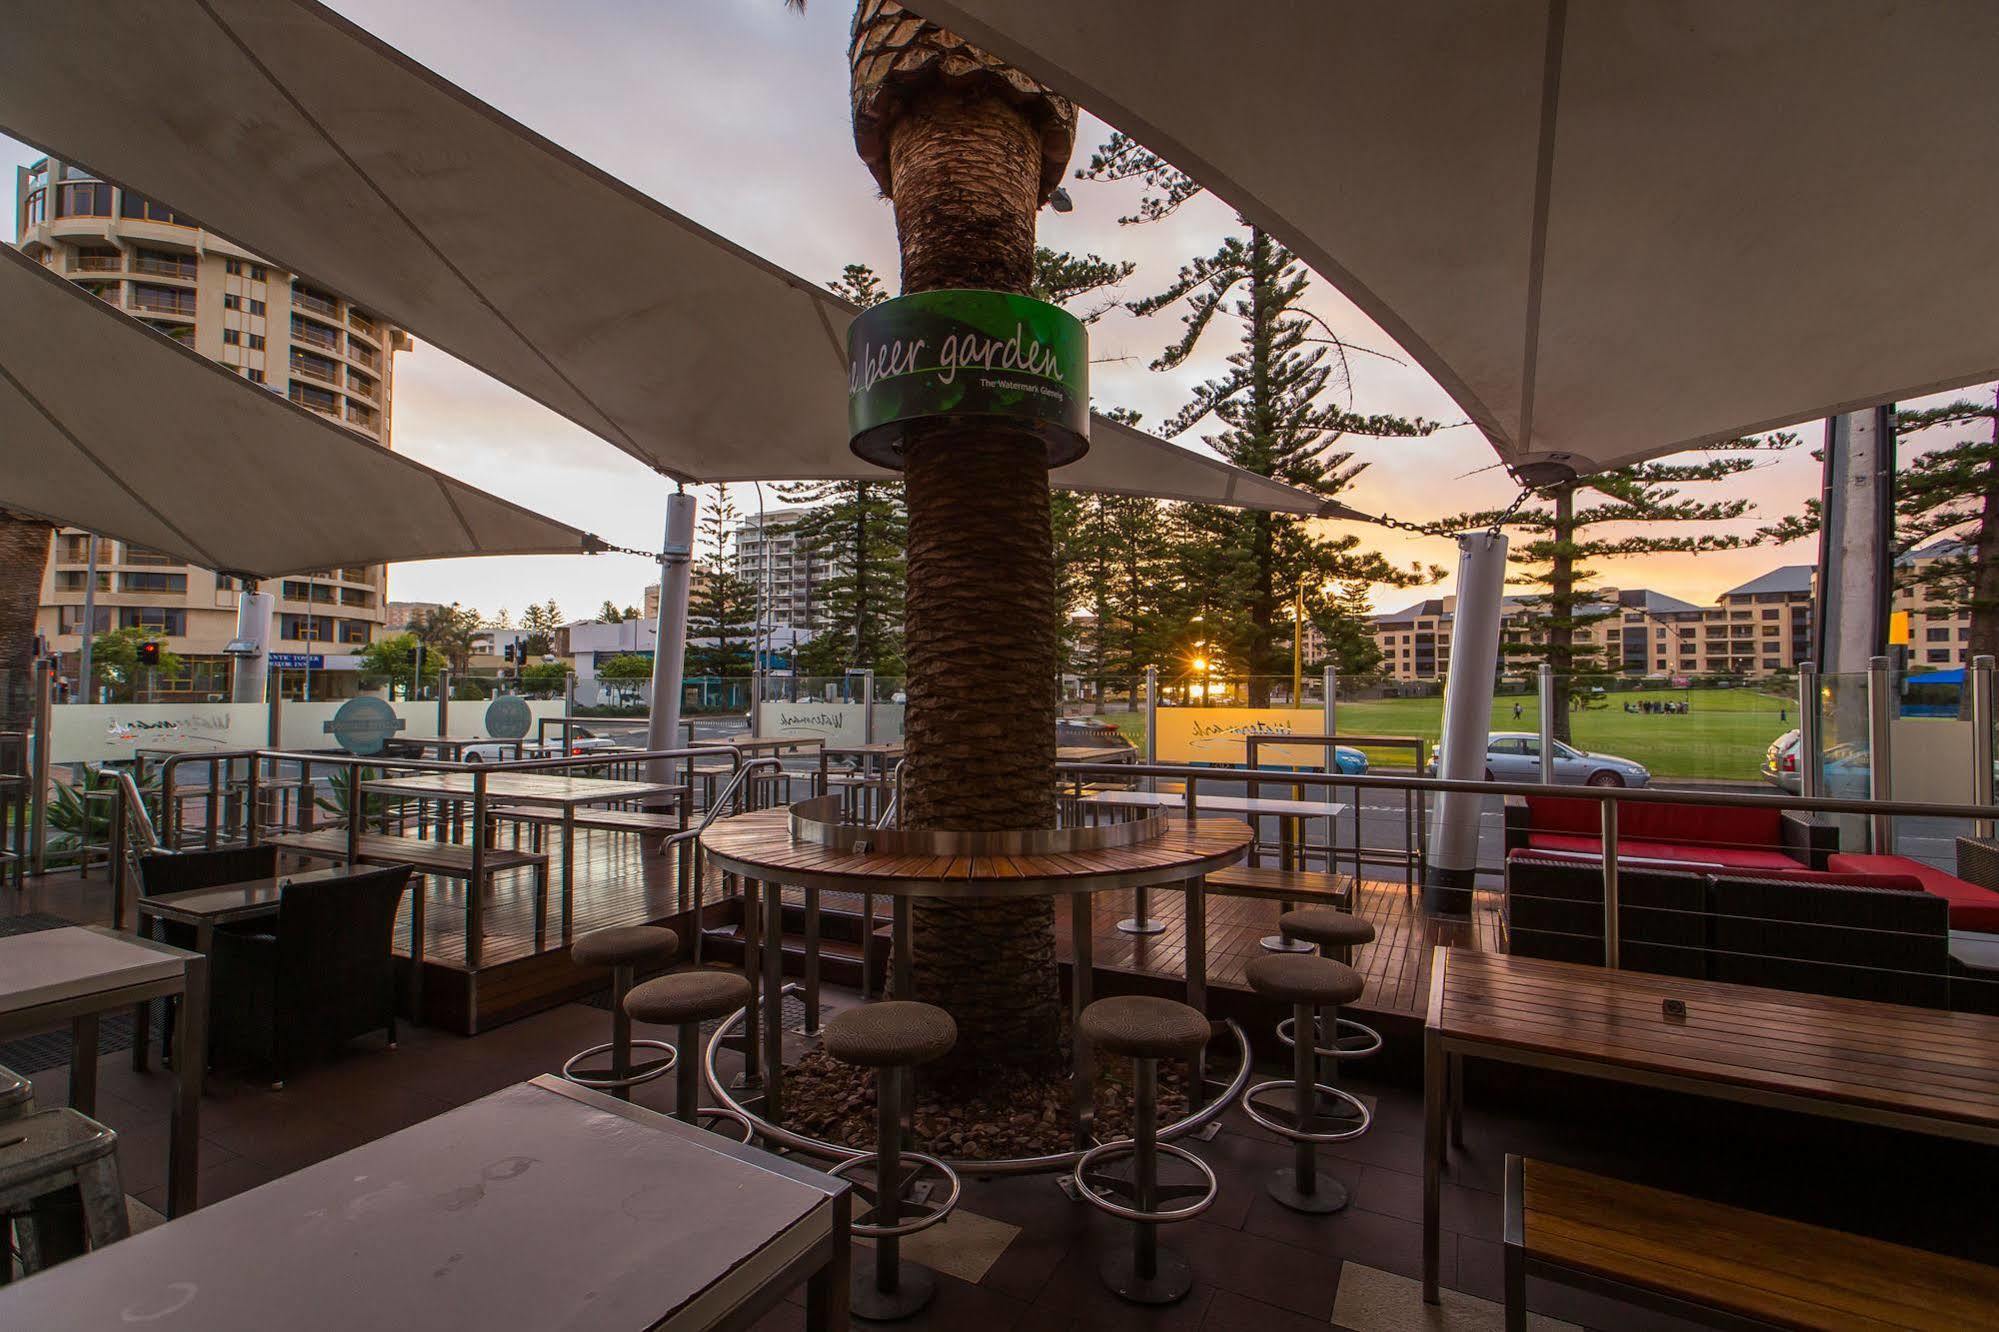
[
  {"x": 687, "y": 996},
  {"x": 894, "y": 1033},
  {"x": 626, "y": 946},
  {"x": 1325, "y": 927},
  {"x": 1304, "y": 978},
  {"x": 1144, "y": 1026}
]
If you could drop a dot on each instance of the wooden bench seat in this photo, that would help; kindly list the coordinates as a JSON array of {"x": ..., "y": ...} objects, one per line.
[
  {"x": 428, "y": 856},
  {"x": 1281, "y": 885},
  {"x": 1713, "y": 1263}
]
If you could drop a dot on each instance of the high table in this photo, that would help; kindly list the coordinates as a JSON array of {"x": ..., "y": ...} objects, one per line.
[
  {"x": 70, "y": 977},
  {"x": 761, "y": 848},
  {"x": 1289, "y": 813},
  {"x": 1908, "y": 1068},
  {"x": 544, "y": 1205},
  {"x": 548, "y": 789},
  {"x": 205, "y": 908}
]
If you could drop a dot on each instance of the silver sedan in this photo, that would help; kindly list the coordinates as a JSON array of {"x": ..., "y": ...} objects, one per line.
[{"x": 1515, "y": 756}]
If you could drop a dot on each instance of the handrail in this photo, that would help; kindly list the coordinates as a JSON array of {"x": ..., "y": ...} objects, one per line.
[
  {"x": 892, "y": 812},
  {"x": 689, "y": 868}
]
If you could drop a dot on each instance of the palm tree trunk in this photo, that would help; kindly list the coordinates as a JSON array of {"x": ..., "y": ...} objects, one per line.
[
  {"x": 24, "y": 554},
  {"x": 962, "y": 146}
]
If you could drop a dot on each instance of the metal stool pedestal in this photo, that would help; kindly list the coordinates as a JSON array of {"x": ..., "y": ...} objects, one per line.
[
  {"x": 624, "y": 950},
  {"x": 1309, "y": 982}
]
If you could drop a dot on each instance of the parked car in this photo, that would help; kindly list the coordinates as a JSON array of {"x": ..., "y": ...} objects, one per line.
[
  {"x": 1845, "y": 769},
  {"x": 502, "y": 751},
  {"x": 1515, "y": 756},
  {"x": 1351, "y": 762}
]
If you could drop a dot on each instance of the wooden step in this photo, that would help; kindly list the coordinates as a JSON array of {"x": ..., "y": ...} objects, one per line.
[{"x": 1282, "y": 885}]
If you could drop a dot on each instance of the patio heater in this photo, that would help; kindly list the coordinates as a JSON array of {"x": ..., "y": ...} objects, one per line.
[{"x": 1453, "y": 861}]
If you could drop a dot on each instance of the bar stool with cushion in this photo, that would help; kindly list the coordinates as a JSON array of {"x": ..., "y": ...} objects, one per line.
[
  {"x": 685, "y": 1000},
  {"x": 892, "y": 1037},
  {"x": 50, "y": 1152},
  {"x": 1144, "y": 1029},
  {"x": 1315, "y": 987},
  {"x": 1337, "y": 934},
  {"x": 625, "y": 950}
]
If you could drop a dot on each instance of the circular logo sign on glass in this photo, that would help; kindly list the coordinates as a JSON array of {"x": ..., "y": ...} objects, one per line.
[
  {"x": 967, "y": 354},
  {"x": 508, "y": 717},
  {"x": 363, "y": 725}
]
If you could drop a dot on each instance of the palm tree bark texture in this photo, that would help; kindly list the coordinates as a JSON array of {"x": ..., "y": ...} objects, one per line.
[
  {"x": 24, "y": 554},
  {"x": 968, "y": 149}
]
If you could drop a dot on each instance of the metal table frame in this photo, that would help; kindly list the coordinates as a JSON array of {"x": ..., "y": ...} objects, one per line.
[{"x": 81, "y": 1013}]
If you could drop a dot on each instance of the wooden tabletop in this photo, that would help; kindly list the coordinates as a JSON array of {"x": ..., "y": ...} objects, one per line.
[
  {"x": 521, "y": 788},
  {"x": 1922, "y": 1067},
  {"x": 1227, "y": 804},
  {"x": 878, "y": 747},
  {"x": 1095, "y": 753},
  {"x": 538, "y": 1206},
  {"x": 232, "y": 900},
  {"x": 49, "y": 966},
  {"x": 754, "y": 743},
  {"x": 760, "y": 846}
]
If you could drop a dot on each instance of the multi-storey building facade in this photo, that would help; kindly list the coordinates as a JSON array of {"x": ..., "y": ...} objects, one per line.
[
  {"x": 1758, "y": 629},
  {"x": 767, "y": 551},
  {"x": 275, "y": 329},
  {"x": 1939, "y": 634}
]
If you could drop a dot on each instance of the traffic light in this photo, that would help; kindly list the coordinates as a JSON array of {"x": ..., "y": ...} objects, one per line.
[
  {"x": 149, "y": 653},
  {"x": 507, "y": 653}
]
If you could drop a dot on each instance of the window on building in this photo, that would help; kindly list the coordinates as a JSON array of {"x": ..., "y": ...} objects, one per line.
[
  {"x": 139, "y": 206},
  {"x": 36, "y": 209},
  {"x": 73, "y": 580},
  {"x": 73, "y": 548},
  {"x": 257, "y": 273},
  {"x": 1773, "y": 614},
  {"x": 318, "y": 399},
  {"x": 141, "y": 555},
  {"x": 233, "y": 267},
  {"x": 1934, "y": 635},
  {"x": 256, "y": 307},
  {"x": 354, "y": 631},
  {"x": 168, "y": 620},
  {"x": 85, "y": 198},
  {"x": 231, "y": 338},
  {"x": 256, "y": 342},
  {"x": 254, "y": 376},
  {"x": 231, "y": 301},
  {"x": 69, "y": 620},
  {"x": 1937, "y": 654},
  {"x": 152, "y": 582}
]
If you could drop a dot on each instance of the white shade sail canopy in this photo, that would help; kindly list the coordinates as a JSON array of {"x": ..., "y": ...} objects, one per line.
[
  {"x": 1611, "y": 229},
  {"x": 110, "y": 426},
  {"x": 295, "y": 134}
]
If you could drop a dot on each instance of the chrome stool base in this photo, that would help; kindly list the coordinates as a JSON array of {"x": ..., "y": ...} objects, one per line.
[
  {"x": 1171, "y": 1277},
  {"x": 1278, "y": 943},
  {"x": 605, "y": 1077},
  {"x": 1133, "y": 925},
  {"x": 1327, "y": 1194}
]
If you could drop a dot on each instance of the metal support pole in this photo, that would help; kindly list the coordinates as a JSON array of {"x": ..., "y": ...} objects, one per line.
[
  {"x": 669, "y": 657},
  {"x": 83, "y": 694},
  {"x": 1610, "y": 903},
  {"x": 1545, "y": 678},
  {"x": 1452, "y": 866},
  {"x": 444, "y": 702},
  {"x": 1145, "y": 1167},
  {"x": 1810, "y": 743},
  {"x": 1141, "y": 920},
  {"x": 1880, "y": 761},
  {"x": 1979, "y": 681},
  {"x": 251, "y": 673},
  {"x": 867, "y": 707},
  {"x": 1332, "y": 701},
  {"x": 38, "y": 817}
]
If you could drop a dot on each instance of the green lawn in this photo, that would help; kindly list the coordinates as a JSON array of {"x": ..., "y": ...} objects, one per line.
[{"x": 1723, "y": 737}]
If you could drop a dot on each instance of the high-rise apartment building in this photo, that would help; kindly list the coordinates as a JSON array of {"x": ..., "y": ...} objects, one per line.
[
  {"x": 1939, "y": 635},
  {"x": 275, "y": 329},
  {"x": 766, "y": 550}
]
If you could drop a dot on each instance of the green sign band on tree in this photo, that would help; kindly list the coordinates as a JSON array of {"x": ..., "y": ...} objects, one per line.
[{"x": 967, "y": 354}]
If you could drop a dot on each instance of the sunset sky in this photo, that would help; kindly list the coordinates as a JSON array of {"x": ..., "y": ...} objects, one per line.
[{"x": 736, "y": 115}]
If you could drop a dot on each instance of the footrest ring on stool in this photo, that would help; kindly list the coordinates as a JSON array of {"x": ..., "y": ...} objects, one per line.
[
  {"x": 1284, "y": 1130},
  {"x": 924, "y": 1222},
  {"x": 1127, "y": 1147},
  {"x": 717, "y": 1112},
  {"x": 602, "y": 1079},
  {"x": 1285, "y": 1033}
]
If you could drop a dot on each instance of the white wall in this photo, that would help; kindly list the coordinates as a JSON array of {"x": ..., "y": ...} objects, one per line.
[
  {"x": 835, "y": 723},
  {"x": 102, "y": 732}
]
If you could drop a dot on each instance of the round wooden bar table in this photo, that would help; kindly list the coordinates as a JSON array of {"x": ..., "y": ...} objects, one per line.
[{"x": 763, "y": 849}]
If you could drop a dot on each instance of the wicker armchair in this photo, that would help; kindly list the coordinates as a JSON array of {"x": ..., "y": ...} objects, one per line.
[
  {"x": 325, "y": 975},
  {"x": 1978, "y": 862}
]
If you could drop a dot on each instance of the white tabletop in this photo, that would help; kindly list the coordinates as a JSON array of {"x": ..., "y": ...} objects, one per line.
[
  {"x": 529, "y": 1208},
  {"x": 1219, "y": 804},
  {"x": 49, "y": 966}
]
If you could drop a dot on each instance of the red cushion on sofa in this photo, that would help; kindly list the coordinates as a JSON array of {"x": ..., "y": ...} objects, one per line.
[
  {"x": 1639, "y": 848},
  {"x": 1907, "y": 883},
  {"x": 1971, "y": 907},
  {"x": 1754, "y": 828}
]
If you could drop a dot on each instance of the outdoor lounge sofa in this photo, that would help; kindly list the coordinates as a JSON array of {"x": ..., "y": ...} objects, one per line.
[{"x": 1712, "y": 840}]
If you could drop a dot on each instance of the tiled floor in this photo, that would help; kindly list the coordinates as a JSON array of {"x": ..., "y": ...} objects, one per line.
[{"x": 1259, "y": 1268}]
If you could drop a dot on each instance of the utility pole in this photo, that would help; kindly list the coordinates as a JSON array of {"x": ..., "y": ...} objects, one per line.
[
  {"x": 1298, "y": 646},
  {"x": 83, "y": 690}
]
